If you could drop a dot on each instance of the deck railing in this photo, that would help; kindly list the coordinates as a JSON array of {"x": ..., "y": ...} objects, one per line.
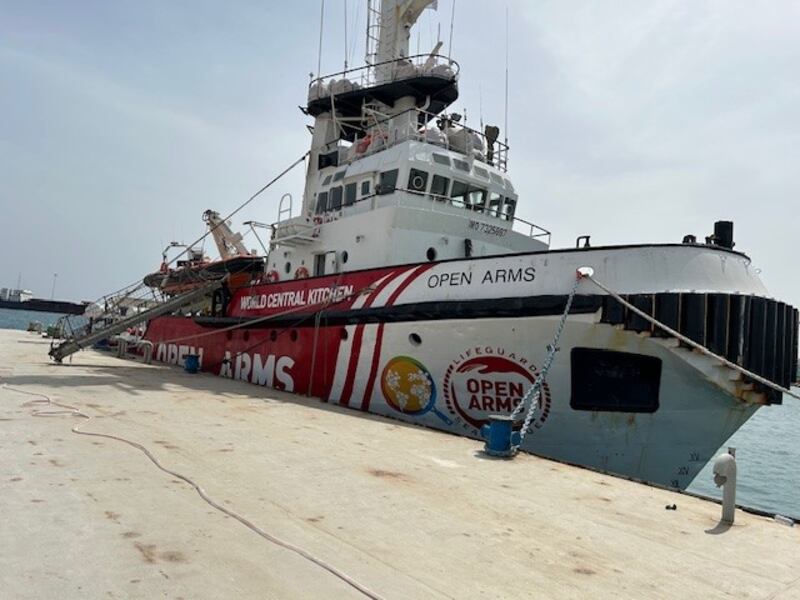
[
  {"x": 366, "y": 76},
  {"x": 385, "y": 131},
  {"x": 518, "y": 224}
]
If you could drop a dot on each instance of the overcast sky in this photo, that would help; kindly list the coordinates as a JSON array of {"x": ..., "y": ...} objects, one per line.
[{"x": 120, "y": 122}]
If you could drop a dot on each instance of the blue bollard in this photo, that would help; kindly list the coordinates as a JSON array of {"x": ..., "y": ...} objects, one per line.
[
  {"x": 191, "y": 364},
  {"x": 501, "y": 439}
]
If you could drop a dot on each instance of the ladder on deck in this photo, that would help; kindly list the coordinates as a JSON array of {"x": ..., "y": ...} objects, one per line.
[
  {"x": 373, "y": 38},
  {"x": 58, "y": 353}
]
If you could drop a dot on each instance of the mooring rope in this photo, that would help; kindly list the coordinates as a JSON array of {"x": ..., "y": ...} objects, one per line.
[
  {"x": 533, "y": 394},
  {"x": 690, "y": 342},
  {"x": 263, "y": 189}
]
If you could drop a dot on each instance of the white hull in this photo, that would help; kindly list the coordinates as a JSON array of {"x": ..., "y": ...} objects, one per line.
[
  {"x": 447, "y": 344},
  {"x": 668, "y": 447}
]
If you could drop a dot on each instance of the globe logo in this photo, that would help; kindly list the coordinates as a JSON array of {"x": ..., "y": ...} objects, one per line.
[{"x": 408, "y": 386}]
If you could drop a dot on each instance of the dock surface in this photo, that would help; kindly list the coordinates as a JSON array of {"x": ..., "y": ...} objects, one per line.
[{"x": 405, "y": 511}]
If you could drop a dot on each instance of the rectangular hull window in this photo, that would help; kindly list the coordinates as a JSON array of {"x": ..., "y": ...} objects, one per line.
[
  {"x": 388, "y": 182},
  {"x": 319, "y": 265},
  {"x": 350, "y": 191},
  {"x": 606, "y": 380}
]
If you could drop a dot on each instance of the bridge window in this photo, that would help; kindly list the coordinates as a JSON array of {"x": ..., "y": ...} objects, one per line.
[
  {"x": 336, "y": 198},
  {"x": 495, "y": 203},
  {"x": 509, "y": 207},
  {"x": 459, "y": 193},
  {"x": 388, "y": 182},
  {"x": 417, "y": 180},
  {"x": 477, "y": 199},
  {"x": 365, "y": 188},
  {"x": 481, "y": 172},
  {"x": 338, "y": 176},
  {"x": 496, "y": 178},
  {"x": 350, "y": 194},
  {"x": 461, "y": 164},
  {"x": 441, "y": 159},
  {"x": 322, "y": 202},
  {"x": 439, "y": 186}
]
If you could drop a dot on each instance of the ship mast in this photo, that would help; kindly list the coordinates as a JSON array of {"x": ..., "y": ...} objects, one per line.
[
  {"x": 389, "y": 24},
  {"x": 396, "y": 17}
]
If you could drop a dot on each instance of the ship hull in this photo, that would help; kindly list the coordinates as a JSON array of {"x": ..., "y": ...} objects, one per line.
[{"x": 370, "y": 343}]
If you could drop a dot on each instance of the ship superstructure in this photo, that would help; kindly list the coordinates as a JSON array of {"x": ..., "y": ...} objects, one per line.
[{"x": 387, "y": 159}]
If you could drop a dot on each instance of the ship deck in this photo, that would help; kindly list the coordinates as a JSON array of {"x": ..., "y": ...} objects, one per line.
[{"x": 407, "y": 512}]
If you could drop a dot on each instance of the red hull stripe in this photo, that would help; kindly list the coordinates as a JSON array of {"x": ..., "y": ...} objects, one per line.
[
  {"x": 376, "y": 352},
  {"x": 344, "y": 400}
]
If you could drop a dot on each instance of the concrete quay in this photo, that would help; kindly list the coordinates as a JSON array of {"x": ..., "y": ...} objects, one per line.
[{"x": 407, "y": 512}]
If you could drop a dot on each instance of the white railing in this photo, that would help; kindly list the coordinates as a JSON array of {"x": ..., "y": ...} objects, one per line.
[
  {"x": 367, "y": 76},
  {"x": 517, "y": 224},
  {"x": 383, "y": 132}
]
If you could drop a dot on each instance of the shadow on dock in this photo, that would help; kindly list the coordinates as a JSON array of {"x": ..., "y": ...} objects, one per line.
[
  {"x": 136, "y": 379},
  {"x": 720, "y": 528}
]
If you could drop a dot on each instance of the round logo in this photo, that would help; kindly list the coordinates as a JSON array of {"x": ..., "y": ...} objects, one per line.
[
  {"x": 408, "y": 386},
  {"x": 486, "y": 381}
]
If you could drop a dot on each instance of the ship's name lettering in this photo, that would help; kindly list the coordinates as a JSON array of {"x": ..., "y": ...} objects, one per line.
[
  {"x": 459, "y": 278},
  {"x": 494, "y": 395},
  {"x": 293, "y": 298},
  {"x": 270, "y": 370},
  {"x": 174, "y": 354}
]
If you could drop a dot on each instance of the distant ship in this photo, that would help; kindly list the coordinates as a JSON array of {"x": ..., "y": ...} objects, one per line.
[{"x": 19, "y": 299}]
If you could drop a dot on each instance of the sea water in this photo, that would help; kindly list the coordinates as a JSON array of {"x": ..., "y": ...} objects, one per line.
[
  {"x": 767, "y": 446},
  {"x": 19, "y": 319},
  {"x": 767, "y": 461}
]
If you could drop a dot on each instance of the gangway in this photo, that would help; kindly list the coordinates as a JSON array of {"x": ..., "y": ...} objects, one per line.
[{"x": 60, "y": 352}]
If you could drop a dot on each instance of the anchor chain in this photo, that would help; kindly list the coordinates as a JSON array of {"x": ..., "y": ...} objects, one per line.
[{"x": 534, "y": 392}]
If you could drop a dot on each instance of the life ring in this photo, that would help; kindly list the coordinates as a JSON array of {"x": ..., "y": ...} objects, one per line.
[
  {"x": 272, "y": 276},
  {"x": 301, "y": 273}
]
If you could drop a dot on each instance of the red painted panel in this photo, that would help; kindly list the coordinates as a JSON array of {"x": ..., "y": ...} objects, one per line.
[
  {"x": 280, "y": 358},
  {"x": 286, "y": 296}
]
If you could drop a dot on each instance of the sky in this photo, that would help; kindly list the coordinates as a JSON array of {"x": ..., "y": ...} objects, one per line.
[{"x": 121, "y": 122}]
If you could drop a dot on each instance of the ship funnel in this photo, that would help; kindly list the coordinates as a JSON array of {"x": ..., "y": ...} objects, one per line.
[{"x": 723, "y": 234}]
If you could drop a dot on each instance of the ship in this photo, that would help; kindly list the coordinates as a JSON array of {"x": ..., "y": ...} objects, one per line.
[
  {"x": 21, "y": 299},
  {"x": 64, "y": 307},
  {"x": 407, "y": 286}
]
